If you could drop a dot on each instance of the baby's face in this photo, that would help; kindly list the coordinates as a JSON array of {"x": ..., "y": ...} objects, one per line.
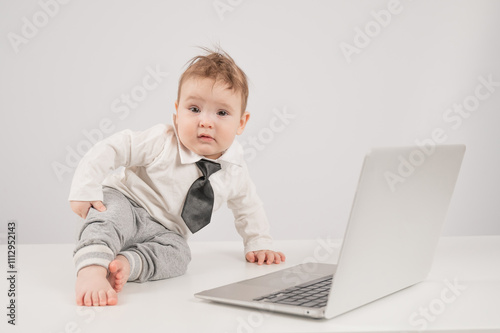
[{"x": 209, "y": 117}]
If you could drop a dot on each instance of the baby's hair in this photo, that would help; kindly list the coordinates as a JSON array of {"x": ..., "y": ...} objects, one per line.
[{"x": 218, "y": 66}]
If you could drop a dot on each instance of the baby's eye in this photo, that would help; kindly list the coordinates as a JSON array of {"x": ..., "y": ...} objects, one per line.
[
  {"x": 222, "y": 113},
  {"x": 194, "y": 109}
]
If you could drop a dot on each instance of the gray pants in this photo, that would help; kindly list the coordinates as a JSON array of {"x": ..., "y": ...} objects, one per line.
[{"x": 125, "y": 228}]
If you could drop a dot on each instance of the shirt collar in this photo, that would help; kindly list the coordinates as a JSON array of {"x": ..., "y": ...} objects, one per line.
[{"x": 233, "y": 155}]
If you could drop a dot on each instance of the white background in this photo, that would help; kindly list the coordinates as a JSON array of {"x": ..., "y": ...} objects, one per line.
[{"x": 63, "y": 78}]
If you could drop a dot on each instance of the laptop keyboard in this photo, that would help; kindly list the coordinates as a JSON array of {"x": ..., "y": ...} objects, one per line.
[{"x": 312, "y": 294}]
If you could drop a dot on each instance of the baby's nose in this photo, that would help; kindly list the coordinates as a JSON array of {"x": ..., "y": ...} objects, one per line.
[{"x": 206, "y": 120}]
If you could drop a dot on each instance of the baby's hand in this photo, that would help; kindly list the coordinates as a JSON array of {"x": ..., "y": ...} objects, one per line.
[
  {"x": 81, "y": 208},
  {"x": 265, "y": 255}
]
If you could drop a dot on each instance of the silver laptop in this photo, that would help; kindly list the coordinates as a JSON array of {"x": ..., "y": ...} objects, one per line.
[{"x": 395, "y": 223}]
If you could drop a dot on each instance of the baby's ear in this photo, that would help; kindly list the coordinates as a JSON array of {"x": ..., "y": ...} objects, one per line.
[
  {"x": 243, "y": 122},
  {"x": 176, "y": 106}
]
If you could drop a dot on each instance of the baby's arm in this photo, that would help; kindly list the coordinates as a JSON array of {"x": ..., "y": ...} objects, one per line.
[
  {"x": 251, "y": 221},
  {"x": 125, "y": 148}
]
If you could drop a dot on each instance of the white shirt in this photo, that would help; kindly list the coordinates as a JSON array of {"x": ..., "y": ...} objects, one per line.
[{"x": 158, "y": 171}]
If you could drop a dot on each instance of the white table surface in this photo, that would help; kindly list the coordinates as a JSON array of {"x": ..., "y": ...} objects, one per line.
[{"x": 46, "y": 301}]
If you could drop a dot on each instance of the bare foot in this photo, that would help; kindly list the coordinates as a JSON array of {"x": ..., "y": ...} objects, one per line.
[
  {"x": 92, "y": 287},
  {"x": 119, "y": 271}
]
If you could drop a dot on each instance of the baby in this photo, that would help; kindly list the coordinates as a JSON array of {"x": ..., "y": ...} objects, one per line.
[{"x": 137, "y": 220}]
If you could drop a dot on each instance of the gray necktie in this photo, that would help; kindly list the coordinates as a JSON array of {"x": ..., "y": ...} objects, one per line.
[{"x": 199, "y": 203}]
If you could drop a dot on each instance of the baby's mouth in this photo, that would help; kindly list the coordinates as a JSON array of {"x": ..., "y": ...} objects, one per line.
[{"x": 205, "y": 137}]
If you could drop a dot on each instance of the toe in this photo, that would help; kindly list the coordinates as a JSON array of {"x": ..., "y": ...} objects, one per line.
[
  {"x": 102, "y": 298},
  {"x": 113, "y": 266},
  {"x": 95, "y": 298},
  {"x": 87, "y": 299},
  {"x": 79, "y": 299},
  {"x": 118, "y": 285},
  {"x": 122, "y": 281},
  {"x": 112, "y": 298}
]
